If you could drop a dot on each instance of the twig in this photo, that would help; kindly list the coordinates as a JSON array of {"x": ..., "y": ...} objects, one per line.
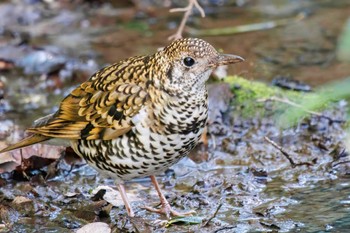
[
  {"x": 342, "y": 162},
  {"x": 244, "y": 28},
  {"x": 188, "y": 11},
  {"x": 291, "y": 103},
  {"x": 285, "y": 153},
  {"x": 225, "y": 228},
  {"x": 214, "y": 215},
  {"x": 23, "y": 165}
]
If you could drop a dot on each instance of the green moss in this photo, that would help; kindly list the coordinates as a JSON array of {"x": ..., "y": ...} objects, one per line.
[
  {"x": 253, "y": 98},
  {"x": 247, "y": 90}
]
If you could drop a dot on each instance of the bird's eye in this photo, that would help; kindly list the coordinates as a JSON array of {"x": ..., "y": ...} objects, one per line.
[{"x": 189, "y": 61}]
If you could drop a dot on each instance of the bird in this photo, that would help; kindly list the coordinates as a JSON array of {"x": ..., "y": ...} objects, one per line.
[{"x": 137, "y": 117}]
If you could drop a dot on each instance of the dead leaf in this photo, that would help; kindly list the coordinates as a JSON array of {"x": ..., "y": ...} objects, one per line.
[
  {"x": 8, "y": 215},
  {"x": 191, "y": 220},
  {"x": 6, "y": 65},
  {"x": 21, "y": 200},
  {"x": 113, "y": 197},
  {"x": 33, "y": 163},
  {"x": 95, "y": 227},
  {"x": 71, "y": 194},
  {"x": 9, "y": 161}
]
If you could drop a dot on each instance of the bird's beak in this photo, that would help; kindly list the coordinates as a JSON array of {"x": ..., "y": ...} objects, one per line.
[{"x": 226, "y": 59}]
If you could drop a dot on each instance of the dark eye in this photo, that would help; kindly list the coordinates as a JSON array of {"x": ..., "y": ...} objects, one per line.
[{"x": 188, "y": 61}]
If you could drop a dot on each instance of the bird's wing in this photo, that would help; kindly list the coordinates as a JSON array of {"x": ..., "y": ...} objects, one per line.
[{"x": 100, "y": 108}]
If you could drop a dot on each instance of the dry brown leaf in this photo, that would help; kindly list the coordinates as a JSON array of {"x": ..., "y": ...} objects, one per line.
[
  {"x": 20, "y": 200},
  {"x": 7, "y": 161},
  {"x": 10, "y": 160},
  {"x": 6, "y": 65}
]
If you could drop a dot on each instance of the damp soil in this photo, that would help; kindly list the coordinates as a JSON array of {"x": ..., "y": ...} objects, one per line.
[{"x": 238, "y": 182}]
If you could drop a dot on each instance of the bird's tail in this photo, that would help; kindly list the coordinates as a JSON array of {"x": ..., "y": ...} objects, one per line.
[{"x": 32, "y": 139}]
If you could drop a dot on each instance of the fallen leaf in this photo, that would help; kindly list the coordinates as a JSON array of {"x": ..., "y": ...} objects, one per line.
[
  {"x": 5, "y": 157},
  {"x": 71, "y": 194},
  {"x": 20, "y": 200},
  {"x": 95, "y": 227},
  {"x": 7, "y": 161},
  {"x": 12, "y": 159},
  {"x": 8, "y": 215},
  {"x": 113, "y": 197},
  {"x": 191, "y": 220},
  {"x": 6, "y": 65}
]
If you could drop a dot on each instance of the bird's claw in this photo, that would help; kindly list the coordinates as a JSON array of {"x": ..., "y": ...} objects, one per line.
[{"x": 169, "y": 212}]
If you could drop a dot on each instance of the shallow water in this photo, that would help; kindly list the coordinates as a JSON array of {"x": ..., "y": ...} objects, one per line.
[{"x": 323, "y": 207}]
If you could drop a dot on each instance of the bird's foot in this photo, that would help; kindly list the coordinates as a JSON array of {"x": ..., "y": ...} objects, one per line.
[
  {"x": 168, "y": 211},
  {"x": 165, "y": 206}
]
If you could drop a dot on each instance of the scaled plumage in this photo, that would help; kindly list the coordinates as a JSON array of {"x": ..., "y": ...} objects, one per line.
[{"x": 139, "y": 116}]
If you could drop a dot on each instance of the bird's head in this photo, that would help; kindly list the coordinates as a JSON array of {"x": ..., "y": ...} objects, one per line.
[{"x": 189, "y": 62}]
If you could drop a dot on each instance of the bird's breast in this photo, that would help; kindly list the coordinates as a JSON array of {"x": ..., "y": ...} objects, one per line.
[{"x": 160, "y": 136}]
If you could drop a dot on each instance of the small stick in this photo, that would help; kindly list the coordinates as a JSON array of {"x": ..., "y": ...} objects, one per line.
[
  {"x": 342, "y": 162},
  {"x": 285, "y": 153},
  {"x": 23, "y": 165},
  {"x": 244, "y": 28},
  {"x": 187, "y": 10},
  {"x": 214, "y": 215},
  {"x": 289, "y": 102}
]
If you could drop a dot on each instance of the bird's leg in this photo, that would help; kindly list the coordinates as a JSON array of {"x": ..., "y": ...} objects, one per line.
[
  {"x": 165, "y": 208},
  {"x": 125, "y": 200}
]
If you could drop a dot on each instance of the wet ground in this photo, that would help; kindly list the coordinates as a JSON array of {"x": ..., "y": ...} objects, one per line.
[{"x": 240, "y": 183}]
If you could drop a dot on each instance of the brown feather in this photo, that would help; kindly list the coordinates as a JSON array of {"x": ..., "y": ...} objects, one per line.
[
  {"x": 33, "y": 139},
  {"x": 100, "y": 108}
]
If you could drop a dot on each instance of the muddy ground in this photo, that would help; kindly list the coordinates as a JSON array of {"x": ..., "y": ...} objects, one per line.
[{"x": 238, "y": 183}]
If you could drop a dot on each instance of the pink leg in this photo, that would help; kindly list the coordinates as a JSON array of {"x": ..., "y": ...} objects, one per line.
[
  {"x": 125, "y": 200},
  {"x": 166, "y": 208}
]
